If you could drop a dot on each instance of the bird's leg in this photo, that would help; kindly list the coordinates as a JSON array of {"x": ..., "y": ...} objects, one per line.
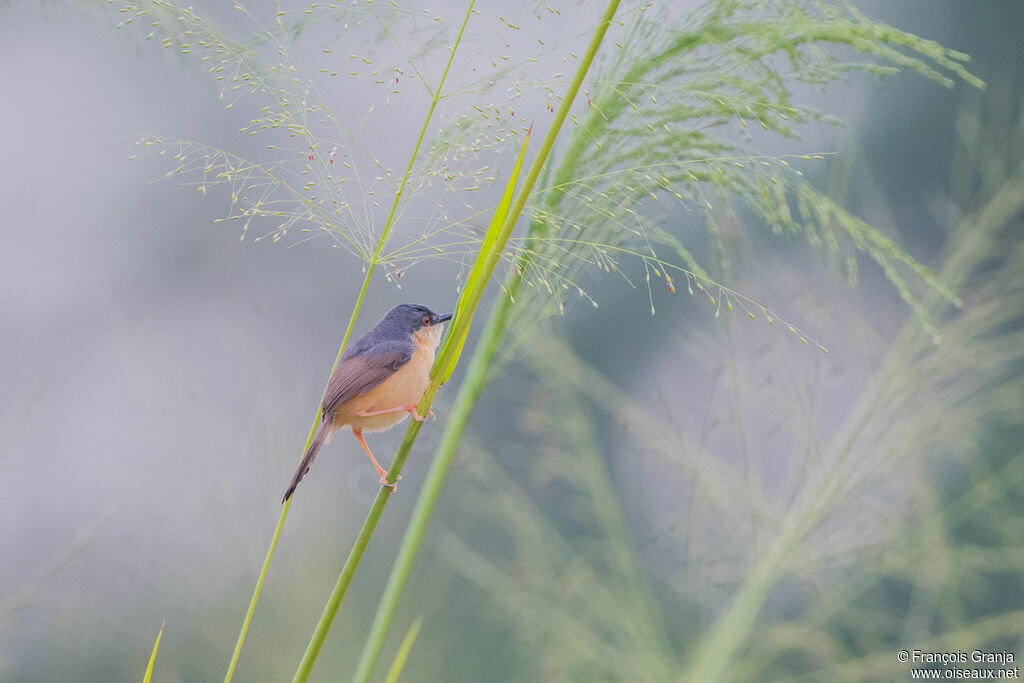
[
  {"x": 411, "y": 409},
  {"x": 380, "y": 470}
]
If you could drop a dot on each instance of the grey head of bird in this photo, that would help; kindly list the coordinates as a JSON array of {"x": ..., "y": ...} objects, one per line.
[{"x": 406, "y": 322}]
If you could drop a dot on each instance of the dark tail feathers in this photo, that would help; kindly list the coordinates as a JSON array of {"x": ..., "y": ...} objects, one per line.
[{"x": 308, "y": 458}]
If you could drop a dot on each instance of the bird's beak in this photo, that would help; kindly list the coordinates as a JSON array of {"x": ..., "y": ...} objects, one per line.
[{"x": 443, "y": 318}]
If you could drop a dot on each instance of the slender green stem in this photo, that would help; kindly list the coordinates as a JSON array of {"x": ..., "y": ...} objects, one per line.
[
  {"x": 371, "y": 267},
  {"x": 287, "y": 505},
  {"x": 256, "y": 592},
  {"x": 473, "y": 384}
]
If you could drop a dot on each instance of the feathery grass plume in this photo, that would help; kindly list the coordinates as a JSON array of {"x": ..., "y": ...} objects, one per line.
[
  {"x": 669, "y": 122},
  {"x": 318, "y": 176},
  {"x": 897, "y": 528},
  {"x": 888, "y": 439}
]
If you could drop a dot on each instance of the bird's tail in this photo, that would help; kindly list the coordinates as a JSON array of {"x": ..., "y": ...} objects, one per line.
[{"x": 307, "y": 460}]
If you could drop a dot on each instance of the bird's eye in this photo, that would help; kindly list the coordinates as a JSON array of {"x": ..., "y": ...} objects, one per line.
[{"x": 426, "y": 320}]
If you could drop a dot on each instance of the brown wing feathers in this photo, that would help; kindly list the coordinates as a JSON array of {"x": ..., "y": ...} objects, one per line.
[
  {"x": 356, "y": 374},
  {"x": 362, "y": 371}
]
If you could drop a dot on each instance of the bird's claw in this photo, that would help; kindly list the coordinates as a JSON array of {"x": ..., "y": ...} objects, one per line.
[
  {"x": 419, "y": 418},
  {"x": 384, "y": 482}
]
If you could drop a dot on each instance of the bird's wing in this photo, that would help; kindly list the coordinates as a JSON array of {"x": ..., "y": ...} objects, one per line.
[{"x": 360, "y": 372}]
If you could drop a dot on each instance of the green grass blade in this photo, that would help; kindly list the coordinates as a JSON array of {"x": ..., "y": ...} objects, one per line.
[
  {"x": 403, "y": 651},
  {"x": 152, "y": 657},
  {"x": 478, "y": 278}
]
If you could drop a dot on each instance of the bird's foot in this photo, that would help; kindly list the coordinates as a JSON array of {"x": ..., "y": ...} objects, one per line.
[
  {"x": 411, "y": 409},
  {"x": 419, "y": 418},
  {"x": 384, "y": 482}
]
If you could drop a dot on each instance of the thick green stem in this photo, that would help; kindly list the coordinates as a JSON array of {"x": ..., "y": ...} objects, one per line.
[{"x": 472, "y": 386}]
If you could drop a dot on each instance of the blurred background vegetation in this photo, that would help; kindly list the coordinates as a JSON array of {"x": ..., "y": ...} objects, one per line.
[{"x": 638, "y": 497}]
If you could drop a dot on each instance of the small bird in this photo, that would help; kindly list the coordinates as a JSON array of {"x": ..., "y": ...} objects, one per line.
[{"x": 379, "y": 381}]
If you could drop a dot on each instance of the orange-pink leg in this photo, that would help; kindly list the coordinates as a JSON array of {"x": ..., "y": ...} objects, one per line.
[
  {"x": 411, "y": 409},
  {"x": 380, "y": 470}
]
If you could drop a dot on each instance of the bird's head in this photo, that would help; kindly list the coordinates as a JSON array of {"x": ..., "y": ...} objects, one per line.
[{"x": 417, "y": 321}]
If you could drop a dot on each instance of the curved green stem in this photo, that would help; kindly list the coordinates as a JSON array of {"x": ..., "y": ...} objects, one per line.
[
  {"x": 472, "y": 386},
  {"x": 287, "y": 505}
]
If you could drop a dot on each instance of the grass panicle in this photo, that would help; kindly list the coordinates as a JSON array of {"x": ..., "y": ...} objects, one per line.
[
  {"x": 804, "y": 578},
  {"x": 669, "y": 127}
]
